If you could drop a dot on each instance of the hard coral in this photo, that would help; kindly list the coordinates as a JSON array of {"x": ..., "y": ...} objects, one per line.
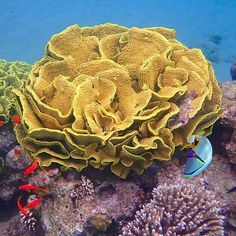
[
  {"x": 12, "y": 75},
  {"x": 177, "y": 210},
  {"x": 111, "y": 96},
  {"x": 78, "y": 200}
]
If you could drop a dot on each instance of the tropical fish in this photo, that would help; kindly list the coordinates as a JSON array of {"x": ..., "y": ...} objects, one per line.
[
  {"x": 231, "y": 190},
  {"x": 17, "y": 151},
  {"x": 32, "y": 168},
  {"x": 33, "y": 203},
  {"x": 16, "y": 119},
  {"x": 202, "y": 153},
  {"x": 21, "y": 208},
  {"x": 29, "y": 188},
  {"x": 2, "y": 123}
]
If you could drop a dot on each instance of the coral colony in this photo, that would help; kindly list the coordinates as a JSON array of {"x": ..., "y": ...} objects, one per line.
[
  {"x": 177, "y": 210},
  {"x": 118, "y": 100},
  {"x": 136, "y": 80}
]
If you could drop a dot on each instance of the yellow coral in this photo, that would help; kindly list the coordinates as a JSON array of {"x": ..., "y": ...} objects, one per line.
[{"x": 112, "y": 96}]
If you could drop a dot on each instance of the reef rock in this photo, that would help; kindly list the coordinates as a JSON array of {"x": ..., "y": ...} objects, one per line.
[
  {"x": 228, "y": 120},
  {"x": 7, "y": 139},
  {"x": 17, "y": 159},
  {"x": 79, "y": 203}
]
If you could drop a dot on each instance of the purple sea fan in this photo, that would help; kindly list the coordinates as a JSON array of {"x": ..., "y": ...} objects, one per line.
[{"x": 178, "y": 210}]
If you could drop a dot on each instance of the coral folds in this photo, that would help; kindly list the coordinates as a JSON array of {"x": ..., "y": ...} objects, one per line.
[
  {"x": 112, "y": 96},
  {"x": 12, "y": 75}
]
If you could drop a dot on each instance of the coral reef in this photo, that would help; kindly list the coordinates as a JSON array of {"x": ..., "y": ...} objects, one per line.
[
  {"x": 79, "y": 203},
  {"x": 17, "y": 161},
  {"x": 7, "y": 139},
  {"x": 228, "y": 120},
  {"x": 178, "y": 210},
  {"x": 12, "y": 75},
  {"x": 4, "y": 171},
  {"x": 147, "y": 94}
]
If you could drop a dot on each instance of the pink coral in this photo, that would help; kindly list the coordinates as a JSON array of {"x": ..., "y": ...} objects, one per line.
[{"x": 177, "y": 210}]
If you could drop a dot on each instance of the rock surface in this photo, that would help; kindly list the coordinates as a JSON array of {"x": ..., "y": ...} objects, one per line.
[{"x": 228, "y": 120}]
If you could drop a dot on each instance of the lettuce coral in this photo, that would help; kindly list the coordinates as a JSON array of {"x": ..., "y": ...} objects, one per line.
[
  {"x": 12, "y": 75},
  {"x": 114, "y": 96}
]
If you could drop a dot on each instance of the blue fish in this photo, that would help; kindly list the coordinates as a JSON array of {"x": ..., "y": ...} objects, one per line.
[
  {"x": 199, "y": 157},
  {"x": 231, "y": 190}
]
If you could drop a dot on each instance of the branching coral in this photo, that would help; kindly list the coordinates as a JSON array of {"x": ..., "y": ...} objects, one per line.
[
  {"x": 12, "y": 75},
  {"x": 113, "y": 96},
  {"x": 177, "y": 210}
]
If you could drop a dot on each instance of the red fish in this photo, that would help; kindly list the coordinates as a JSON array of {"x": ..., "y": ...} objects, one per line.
[
  {"x": 2, "y": 123},
  {"x": 28, "y": 187},
  {"x": 32, "y": 168},
  {"x": 33, "y": 203},
  {"x": 23, "y": 211},
  {"x": 17, "y": 151},
  {"x": 16, "y": 119}
]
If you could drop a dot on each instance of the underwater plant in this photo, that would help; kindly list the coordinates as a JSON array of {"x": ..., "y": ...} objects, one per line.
[
  {"x": 12, "y": 75},
  {"x": 178, "y": 210},
  {"x": 114, "y": 96}
]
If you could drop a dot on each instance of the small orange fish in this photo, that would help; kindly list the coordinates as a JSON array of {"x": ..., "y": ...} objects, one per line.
[
  {"x": 17, "y": 152},
  {"x": 16, "y": 119},
  {"x": 23, "y": 211},
  {"x": 33, "y": 203},
  {"x": 2, "y": 123},
  {"x": 32, "y": 168},
  {"x": 29, "y": 188}
]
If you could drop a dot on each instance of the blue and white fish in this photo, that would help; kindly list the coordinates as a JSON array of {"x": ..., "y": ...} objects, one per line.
[{"x": 199, "y": 157}]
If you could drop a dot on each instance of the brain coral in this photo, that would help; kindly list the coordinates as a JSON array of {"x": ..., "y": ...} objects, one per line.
[
  {"x": 112, "y": 96},
  {"x": 12, "y": 75},
  {"x": 178, "y": 210}
]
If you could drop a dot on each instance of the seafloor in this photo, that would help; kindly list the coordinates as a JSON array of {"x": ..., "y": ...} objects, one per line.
[{"x": 98, "y": 203}]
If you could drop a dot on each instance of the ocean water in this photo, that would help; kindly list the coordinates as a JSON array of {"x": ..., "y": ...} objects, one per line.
[{"x": 26, "y": 25}]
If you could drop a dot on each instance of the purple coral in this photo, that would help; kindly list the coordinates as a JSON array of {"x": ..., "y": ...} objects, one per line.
[
  {"x": 177, "y": 210},
  {"x": 84, "y": 188}
]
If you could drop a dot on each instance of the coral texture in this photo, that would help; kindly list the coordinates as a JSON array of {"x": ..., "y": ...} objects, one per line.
[
  {"x": 229, "y": 118},
  {"x": 177, "y": 210},
  {"x": 77, "y": 202},
  {"x": 12, "y": 75},
  {"x": 113, "y": 96}
]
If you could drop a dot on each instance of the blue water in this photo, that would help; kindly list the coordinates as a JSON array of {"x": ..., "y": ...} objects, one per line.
[{"x": 26, "y": 25}]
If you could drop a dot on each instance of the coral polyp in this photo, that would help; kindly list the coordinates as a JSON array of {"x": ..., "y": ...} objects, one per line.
[{"x": 114, "y": 96}]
